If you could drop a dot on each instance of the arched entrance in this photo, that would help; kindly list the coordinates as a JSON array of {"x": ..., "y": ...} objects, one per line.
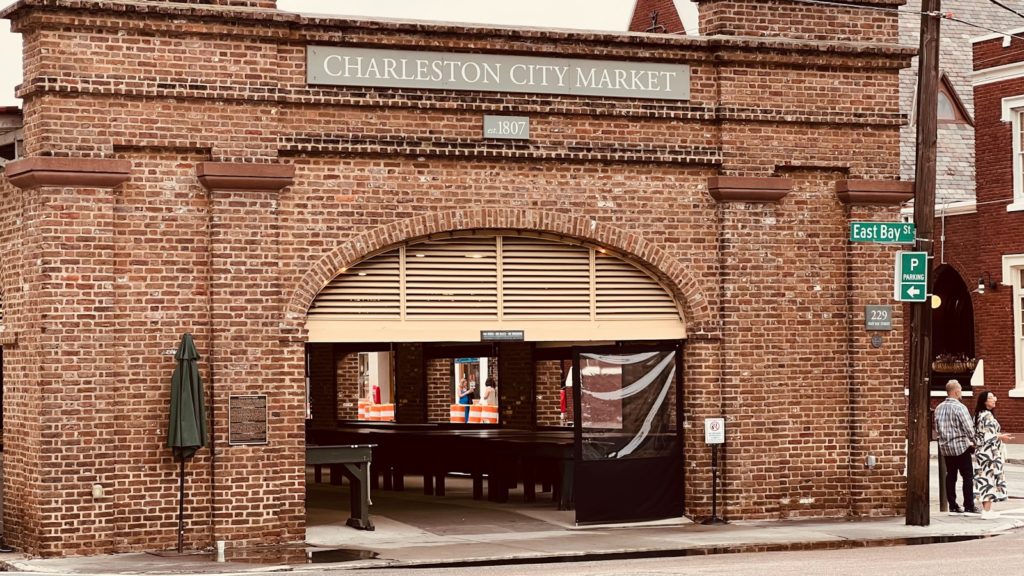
[
  {"x": 952, "y": 330},
  {"x": 410, "y": 339}
]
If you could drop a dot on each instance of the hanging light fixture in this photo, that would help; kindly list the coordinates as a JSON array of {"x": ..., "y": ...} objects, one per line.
[{"x": 985, "y": 281}]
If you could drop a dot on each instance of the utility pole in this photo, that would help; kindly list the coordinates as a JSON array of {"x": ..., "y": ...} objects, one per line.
[{"x": 918, "y": 433}]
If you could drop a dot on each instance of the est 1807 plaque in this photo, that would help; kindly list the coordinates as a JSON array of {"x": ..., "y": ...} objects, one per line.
[
  {"x": 507, "y": 127},
  {"x": 247, "y": 419}
]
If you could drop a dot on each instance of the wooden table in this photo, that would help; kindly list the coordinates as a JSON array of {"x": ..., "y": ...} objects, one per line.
[
  {"x": 504, "y": 456},
  {"x": 352, "y": 460}
]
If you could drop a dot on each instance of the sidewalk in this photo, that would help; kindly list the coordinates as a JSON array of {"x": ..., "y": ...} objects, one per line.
[{"x": 459, "y": 531}]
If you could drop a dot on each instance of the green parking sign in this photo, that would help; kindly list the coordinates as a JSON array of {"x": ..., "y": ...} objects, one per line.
[{"x": 911, "y": 281}]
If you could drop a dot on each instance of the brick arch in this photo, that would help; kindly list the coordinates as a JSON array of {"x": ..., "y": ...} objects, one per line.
[{"x": 675, "y": 277}]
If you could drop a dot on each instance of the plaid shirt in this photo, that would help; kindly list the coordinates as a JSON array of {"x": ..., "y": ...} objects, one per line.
[{"x": 954, "y": 427}]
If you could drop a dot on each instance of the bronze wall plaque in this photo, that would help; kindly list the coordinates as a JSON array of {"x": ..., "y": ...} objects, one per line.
[{"x": 247, "y": 419}]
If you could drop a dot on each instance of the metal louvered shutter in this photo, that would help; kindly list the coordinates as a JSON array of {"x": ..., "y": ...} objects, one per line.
[
  {"x": 543, "y": 278},
  {"x": 453, "y": 277},
  {"x": 507, "y": 277},
  {"x": 370, "y": 289},
  {"x": 625, "y": 291}
]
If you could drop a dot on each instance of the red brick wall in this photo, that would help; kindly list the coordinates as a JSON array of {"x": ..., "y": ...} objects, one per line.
[
  {"x": 439, "y": 389},
  {"x": 794, "y": 451},
  {"x": 323, "y": 385},
  {"x": 99, "y": 283},
  {"x": 549, "y": 384},
  {"x": 517, "y": 407},
  {"x": 991, "y": 53},
  {"x": 410, "y": 374},
  {"x": 799, "y": 20},
  {"x": 347, "y": 375}
]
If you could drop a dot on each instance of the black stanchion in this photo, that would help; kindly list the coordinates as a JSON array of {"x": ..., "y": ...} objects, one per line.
[
  {"x": 714, "y": 489},
  {"x": 943, "y": 501}
]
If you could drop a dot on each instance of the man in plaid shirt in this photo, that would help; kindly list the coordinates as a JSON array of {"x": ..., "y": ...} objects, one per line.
[{"x": 956, "y": 444}]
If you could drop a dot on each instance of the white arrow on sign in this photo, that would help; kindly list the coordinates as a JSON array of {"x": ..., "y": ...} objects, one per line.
[{"x": 913, "y": 291}]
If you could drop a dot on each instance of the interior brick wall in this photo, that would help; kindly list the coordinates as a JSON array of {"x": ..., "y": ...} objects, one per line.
[
  {"x": 98, "y": 284},
  {"x": 439, "y": 389},
  {"x": 410, "y": 384},
  {"x": 517, "y": 404},
  {"x": 323, "y": 386},
  {"x": 347, "y": 378},
  {"x": 549, "y": 377}
]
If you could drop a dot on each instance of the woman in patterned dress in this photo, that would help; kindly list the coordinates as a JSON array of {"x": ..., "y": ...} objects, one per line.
[{"x": 989, "y": 483}]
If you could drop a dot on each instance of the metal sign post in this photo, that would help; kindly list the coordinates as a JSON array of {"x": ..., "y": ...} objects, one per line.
[{"x": 714, "y": 434}]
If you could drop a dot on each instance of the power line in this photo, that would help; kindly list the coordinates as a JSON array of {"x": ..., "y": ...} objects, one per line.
[
  {"x": 1005, "y": 7},
  {"x": 980, "y": 27}
]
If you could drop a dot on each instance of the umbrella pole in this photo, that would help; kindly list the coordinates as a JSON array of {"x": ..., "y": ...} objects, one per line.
[{"x": 181, "y": 504}]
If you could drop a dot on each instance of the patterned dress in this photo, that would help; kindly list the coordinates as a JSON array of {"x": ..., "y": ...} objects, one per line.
[{"x": 989, "y": 482}]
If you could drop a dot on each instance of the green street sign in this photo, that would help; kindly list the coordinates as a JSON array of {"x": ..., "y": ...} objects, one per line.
[
  {"x": 911, "y": 281},
  {"x": 883, "y": 232}
]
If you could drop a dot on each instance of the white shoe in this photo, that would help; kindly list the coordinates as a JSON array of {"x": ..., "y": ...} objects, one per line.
[{"x": 989, "y": 515}]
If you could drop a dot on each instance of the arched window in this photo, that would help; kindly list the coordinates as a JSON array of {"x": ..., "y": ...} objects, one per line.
[{"x": 950, "y": 109}]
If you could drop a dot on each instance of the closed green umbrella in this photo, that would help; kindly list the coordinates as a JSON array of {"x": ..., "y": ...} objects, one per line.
[{"x": 187, "y": 429}]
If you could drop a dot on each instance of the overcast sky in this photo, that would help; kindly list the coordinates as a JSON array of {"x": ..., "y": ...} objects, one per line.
[{"x": 580, "y": 14}]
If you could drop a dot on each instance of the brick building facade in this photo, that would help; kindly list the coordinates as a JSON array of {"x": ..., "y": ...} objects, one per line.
[{"x": 181, "y": 174}]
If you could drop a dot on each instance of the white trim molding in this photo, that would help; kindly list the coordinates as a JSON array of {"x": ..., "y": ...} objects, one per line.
[
  {"x": 1004, "y": 35},
  {"x": 1012, "y": 112},
  {"x": 957, "y": 208},
  {"x": 1013, "y": 265},
  {"x": 998, "y": 74}
]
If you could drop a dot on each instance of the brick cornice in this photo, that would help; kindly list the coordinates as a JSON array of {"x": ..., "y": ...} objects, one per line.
[
  {"x": 242, "y": 176},
  {"x": 745, "y": 189},
  {"x": 77, "y": 172},
  {"x": 874, "y": 191}
]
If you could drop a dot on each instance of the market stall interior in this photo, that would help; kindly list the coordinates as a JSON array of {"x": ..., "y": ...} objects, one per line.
[{"x": 591, "y": 428}]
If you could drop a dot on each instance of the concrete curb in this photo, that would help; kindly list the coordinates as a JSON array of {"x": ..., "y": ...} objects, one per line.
[
  {"x": 742, "y": 538},
  {"x": 826, "y": 543}
]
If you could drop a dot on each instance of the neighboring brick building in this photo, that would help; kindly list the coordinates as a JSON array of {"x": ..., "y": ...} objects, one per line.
[
  {"x": 985, "y": 247},
  {"x": 182, "y": 172},
  {"x": 954, "y": 343}
]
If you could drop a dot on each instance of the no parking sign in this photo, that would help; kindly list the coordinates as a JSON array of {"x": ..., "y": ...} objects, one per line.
[{"x": 714, "y": 430}]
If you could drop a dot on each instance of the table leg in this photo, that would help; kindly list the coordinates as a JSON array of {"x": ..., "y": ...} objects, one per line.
[
  {"x": 359, "y": 504},
  {"x": 565, "y": 499},
  {"x": 428, "y": 483},
  {"x": 529, "y": 482},
  {"x": 478, "y": 485}
]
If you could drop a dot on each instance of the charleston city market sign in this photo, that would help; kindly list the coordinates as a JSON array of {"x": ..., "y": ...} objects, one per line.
[{"x": 495, "y": 73}]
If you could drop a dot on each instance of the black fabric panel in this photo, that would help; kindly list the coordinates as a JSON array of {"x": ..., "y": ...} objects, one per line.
[{"x": 628, "y": 490}]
